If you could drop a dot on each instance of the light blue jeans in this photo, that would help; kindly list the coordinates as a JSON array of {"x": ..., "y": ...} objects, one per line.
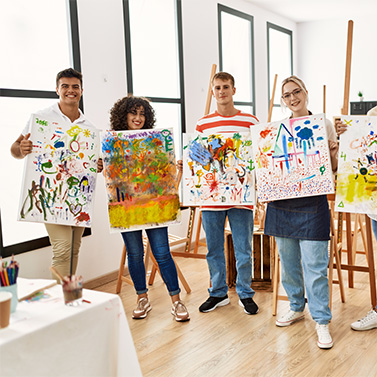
[
  {"x": 304, "y": 267},
  {"x": 159, "y": 241},
  {"x": 241, "y": 224}
]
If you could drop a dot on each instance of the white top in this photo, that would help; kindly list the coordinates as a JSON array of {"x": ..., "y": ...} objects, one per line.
[{"x": 54, "y": 113}]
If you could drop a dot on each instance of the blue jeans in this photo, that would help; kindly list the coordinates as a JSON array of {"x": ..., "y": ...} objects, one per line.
[
  {"x": 158, "y": 238},
  {"x": 304, "y": 267},
  {"x": 242, "y": 224}
]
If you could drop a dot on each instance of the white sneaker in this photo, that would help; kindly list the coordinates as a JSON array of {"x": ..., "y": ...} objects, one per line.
[
  {"x": 289, "y": 318},
  {"x": 367, "y": 323},
  {"x": 324, "y": 337}
]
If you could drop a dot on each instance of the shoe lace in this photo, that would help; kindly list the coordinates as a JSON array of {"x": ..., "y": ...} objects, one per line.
[
  {"x": 368, "y": 317},
  {"x": 179, "y": 307},
  {"x": 323, "y": 330},
  {"x": 142, "y": 303}
]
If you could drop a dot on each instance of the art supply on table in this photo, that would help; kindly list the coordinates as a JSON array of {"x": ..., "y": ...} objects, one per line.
[
  {"x": 5, "y": 305},
  {"x": 72, "y": 290},
  {"x": 8, "y": 280}
]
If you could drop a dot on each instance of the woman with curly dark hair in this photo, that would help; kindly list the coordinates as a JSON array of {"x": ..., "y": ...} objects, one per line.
[{"x": 136, "y": 113}]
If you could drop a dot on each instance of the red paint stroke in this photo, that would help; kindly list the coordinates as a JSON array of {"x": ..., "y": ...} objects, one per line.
[{"x": 83, "y": 217}]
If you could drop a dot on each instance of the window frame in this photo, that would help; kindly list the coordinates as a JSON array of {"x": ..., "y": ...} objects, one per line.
[
  {"x": 38, "y": 243},
  {"x": 129, "y": 79},
  {"x": 222, "y": 8},
  {"x": 282, "y": 30}
]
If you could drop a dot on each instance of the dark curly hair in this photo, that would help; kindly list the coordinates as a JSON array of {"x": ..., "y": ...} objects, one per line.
[{"x": 118, "y": 113}]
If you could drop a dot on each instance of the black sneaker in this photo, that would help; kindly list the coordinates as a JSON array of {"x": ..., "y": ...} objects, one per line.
[
  {"x": 212, "y": 303},
  {"x": 249, "y": 306}
]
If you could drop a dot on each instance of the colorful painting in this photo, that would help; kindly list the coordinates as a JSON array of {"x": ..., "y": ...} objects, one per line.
[
  {"x": 60, "y": 174},
  {"x": 141, "y": 179},
  {"x": 292, "y": 158},
  {"x": 356, "y": 188},
  {"x": 218, "y": 169}
]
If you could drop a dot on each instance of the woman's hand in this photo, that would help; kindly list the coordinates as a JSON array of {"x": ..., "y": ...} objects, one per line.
[
  {"x": 179, "y": 166},
  {"x": 340, "y": 127}
]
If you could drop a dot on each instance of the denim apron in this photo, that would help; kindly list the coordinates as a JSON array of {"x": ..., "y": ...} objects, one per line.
[{"x": 302, "y": 218}]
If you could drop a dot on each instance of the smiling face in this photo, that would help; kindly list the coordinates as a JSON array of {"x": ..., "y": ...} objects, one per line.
[
  {"x": 136, "y": 118},
  {"x": 69, "y": 91},
  {"x": 223, "y": 91},
  {"x": 295, "y": 98}
]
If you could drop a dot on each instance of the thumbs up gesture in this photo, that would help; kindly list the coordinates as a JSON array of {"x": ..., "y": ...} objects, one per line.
[{"x": 26, "y": 145}]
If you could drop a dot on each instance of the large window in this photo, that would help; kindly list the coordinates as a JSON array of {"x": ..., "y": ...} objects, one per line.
[
  {"x": 38, "y": 38},
  {"x": 279, "y": 62},
  {"x": 153, "y": 35},
  {"x": 237, "y": 54}
]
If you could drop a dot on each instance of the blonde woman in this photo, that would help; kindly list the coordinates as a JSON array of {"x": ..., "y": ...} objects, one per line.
[{"x": 301, "y": 228}]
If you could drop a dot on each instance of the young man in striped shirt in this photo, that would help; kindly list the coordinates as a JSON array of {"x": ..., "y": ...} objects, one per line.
[{"x": 227, "y": 119}]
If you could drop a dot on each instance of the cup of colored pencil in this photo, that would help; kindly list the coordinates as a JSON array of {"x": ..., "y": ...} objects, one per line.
[{"x": 8, "y": 280}]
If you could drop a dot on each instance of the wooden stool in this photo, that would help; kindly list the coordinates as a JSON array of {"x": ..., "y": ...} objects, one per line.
[
  {"x": 173, "y": 241},
  {"x": 262, "y": 255},
  {"x": 335, "y": 248}
]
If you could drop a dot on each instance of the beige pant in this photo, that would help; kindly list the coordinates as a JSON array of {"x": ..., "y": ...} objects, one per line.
[{"x": 60, "y": 239}]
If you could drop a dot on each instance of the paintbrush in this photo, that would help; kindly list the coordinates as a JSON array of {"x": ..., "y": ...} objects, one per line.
[{"x": 57, "y": 274}]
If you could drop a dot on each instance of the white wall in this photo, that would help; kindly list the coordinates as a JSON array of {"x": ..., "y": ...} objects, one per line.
[
  {"x": 103, "y": 67},
  {"x": 321, "y": 59}
]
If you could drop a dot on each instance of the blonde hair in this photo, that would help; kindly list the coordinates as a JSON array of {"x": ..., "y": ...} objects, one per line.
[{"x": 298, "y": 82}]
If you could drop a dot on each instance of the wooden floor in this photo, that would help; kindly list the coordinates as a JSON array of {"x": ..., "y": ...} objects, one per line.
[{"x": 227, "y": 342}]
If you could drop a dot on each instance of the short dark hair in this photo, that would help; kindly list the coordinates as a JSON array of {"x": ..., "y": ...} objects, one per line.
[
  {"x": 118, "y": 113},
  {"x": 69, "y": 72},
  {"x": 225, "y": 76}
]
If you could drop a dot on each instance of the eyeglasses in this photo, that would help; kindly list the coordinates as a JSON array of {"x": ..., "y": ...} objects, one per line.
[{"x": 295, "y": 93}]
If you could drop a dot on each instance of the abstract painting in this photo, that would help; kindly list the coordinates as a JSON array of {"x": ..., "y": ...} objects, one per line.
[
  {"x": 292, "y": 158},
  {"x": 356, "y": 188},
  {"x": 60, "y": 174},
  {"x": 218, "y": 169},
  {"x": 141, "y": 179}
]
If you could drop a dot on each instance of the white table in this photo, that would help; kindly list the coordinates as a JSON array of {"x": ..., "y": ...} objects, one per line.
[{"x": 48, "y": 338}]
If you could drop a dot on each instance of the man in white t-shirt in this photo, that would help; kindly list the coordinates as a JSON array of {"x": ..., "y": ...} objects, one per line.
[
  {"x": 69, "y": 88},
  {"x": 227, "y": 119}
]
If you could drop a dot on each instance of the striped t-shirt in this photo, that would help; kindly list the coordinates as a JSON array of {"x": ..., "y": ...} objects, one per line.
[{"x": 215, "y": 123}]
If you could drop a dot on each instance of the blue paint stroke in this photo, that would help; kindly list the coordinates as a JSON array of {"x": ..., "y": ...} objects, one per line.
[
  {"x": 307, "y": 122},
  {"x": 285, "y": 148},
  {"x": 59, "y": 144},
  {"x": 199, "y": 153},
  {"x": 305, "y": 153},
  {"x": 304, "y": 179}
]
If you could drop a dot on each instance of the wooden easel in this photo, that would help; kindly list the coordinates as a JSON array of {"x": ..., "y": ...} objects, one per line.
[
  {"x": 206, "y": 112},
  {"x": 351, "y": 239}
]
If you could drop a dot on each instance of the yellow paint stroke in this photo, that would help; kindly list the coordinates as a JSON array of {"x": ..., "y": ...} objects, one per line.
[
  {"x": 144, "y": 211},
  {"x": 356, "y": 190}
]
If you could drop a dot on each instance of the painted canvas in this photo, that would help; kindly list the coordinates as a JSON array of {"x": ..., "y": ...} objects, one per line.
[
  {"x": 218, "y": 169},
  {"x": 60, "y": 174},
  {"x": 141, "y": 179},
  {"x": 292, "y": 158},
  {"x": 356, "y": 189}
]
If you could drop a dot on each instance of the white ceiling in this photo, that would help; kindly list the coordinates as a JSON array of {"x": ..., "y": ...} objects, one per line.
[{"x": 313, "y": 10}]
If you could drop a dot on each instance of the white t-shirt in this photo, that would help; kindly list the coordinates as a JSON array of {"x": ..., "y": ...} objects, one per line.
[{"x": 54, "y": 113}]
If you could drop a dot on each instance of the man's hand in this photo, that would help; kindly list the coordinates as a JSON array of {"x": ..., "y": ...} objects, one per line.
[
  {"x": 26, "y": 145},
  {"x": 99, "y": 165}
]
